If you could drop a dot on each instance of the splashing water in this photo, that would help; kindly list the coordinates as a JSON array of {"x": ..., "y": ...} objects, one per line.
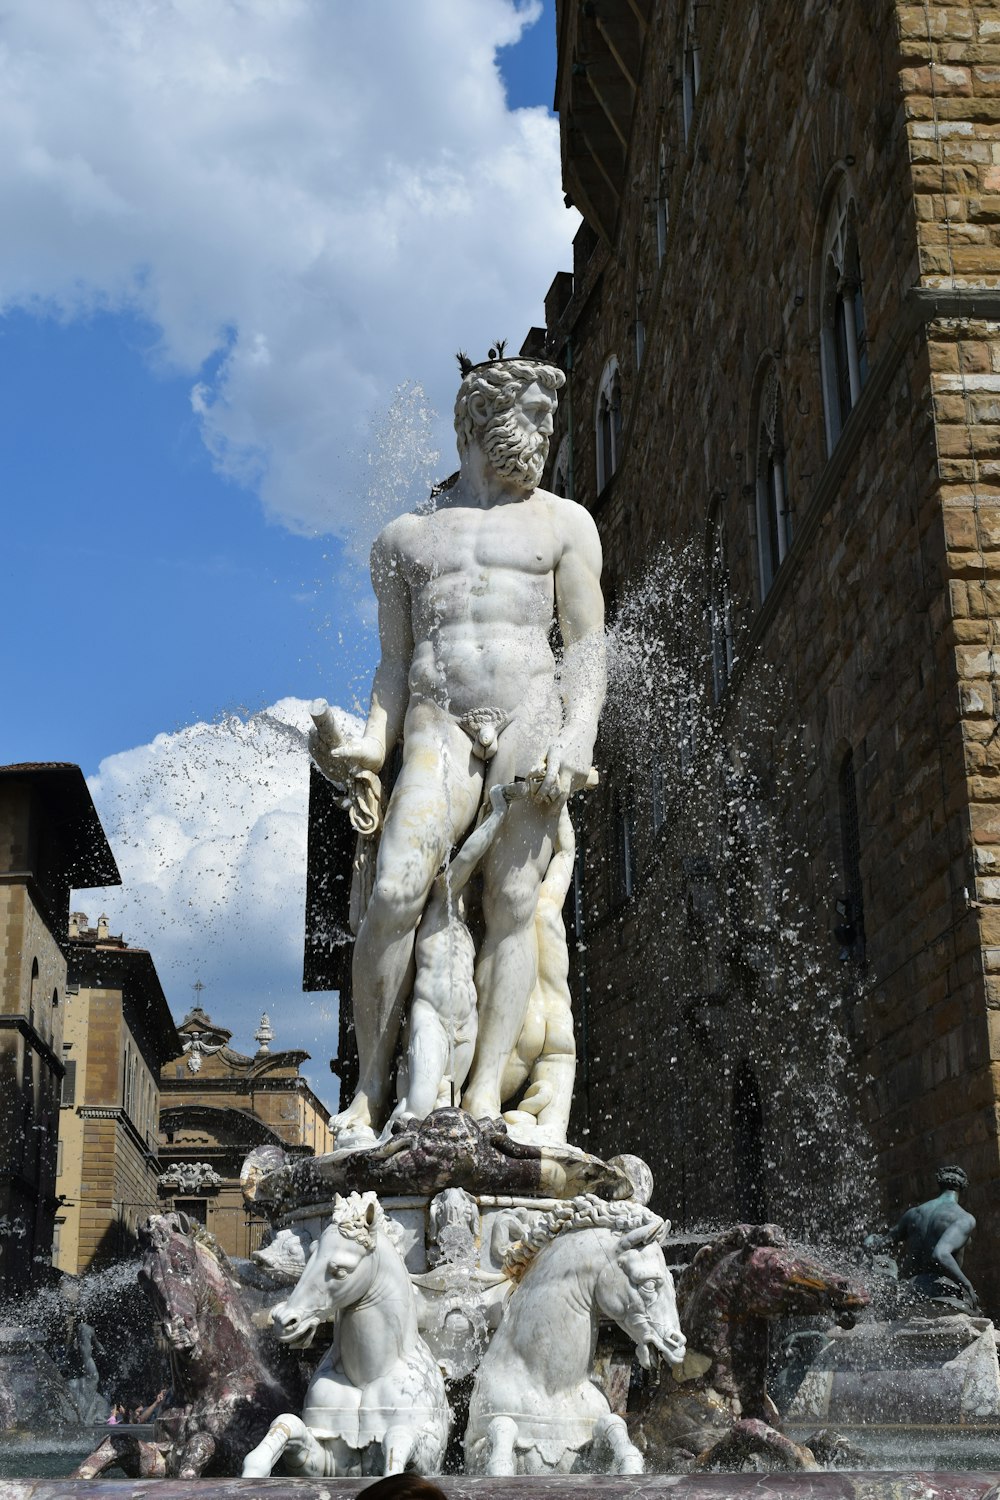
[{"x": 738, "y": 996}]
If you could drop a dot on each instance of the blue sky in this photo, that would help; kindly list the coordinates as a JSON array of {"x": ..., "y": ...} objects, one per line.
[
  {"x": 233, "y": 234},
  {"x": 157, "y": 591}
]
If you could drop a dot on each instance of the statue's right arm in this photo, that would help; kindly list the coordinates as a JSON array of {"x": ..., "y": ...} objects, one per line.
[
  {"x": 390, "y": 686},
  {"x": 390, "y": 692},
  {"x": 953, "y": 1240}
]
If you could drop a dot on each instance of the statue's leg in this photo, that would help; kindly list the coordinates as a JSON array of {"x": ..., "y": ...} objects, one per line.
[
  {"x": 285, "y": 1429},
  {"x": 620, "y": 1455},
  {"x": 196, "y": 1456},
  {"x": 749, "y": 1437},
  {"x": 397, "y": 1448},
  {"x": 508, "y": 960},
  {"x": 501, "y": 1435},
  {"x": 111, "y": 1451},
  {"x": 433, "y": 802},
  {"x": 152, "y": 1464},
  {"x": 427, "y": 1062},
  {"x": 553, "y": 1075}
]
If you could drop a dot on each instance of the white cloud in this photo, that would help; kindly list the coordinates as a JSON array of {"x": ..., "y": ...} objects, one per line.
[
  {"x": 208, "y": 826},
  {"x": 311, "y": 200}
]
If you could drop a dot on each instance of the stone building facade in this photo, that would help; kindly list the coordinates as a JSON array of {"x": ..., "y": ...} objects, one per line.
[
  {"x": 217, "y": 1104},
  {"x": 50, "y": 841},
  {"x": 782, "y": 328},
  {"x": 118, "y": 1033}
]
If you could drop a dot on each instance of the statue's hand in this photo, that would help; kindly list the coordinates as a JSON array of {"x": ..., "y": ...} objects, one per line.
[
  {"x": 339, "y": 763},
  {"x": 561, "y": 775}
]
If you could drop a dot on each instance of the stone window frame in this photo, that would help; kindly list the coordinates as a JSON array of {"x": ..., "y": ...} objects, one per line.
[
  {"x": 639, "y": 328},
  {"x": 721, "y": 639},
  {"x": 690, "y": 68},
  {"x": 842, "y": 321},
  {"x": 661, "y": 201},
  {"x": 608, "y": 422},
  {"x": 773, "y": 511},
  {"x": 561, "y": 472},
  {"x": 851, "y": 930},
  {"x": 625, "y": 864}
]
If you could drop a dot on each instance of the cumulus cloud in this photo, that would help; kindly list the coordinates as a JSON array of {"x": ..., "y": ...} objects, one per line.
[
  {"x": 309, "y": 200},
  {"x": 208, "y": 826}
]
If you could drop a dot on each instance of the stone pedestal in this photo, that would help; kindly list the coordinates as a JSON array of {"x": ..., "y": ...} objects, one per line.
[{"x": 915, "y": 1370}]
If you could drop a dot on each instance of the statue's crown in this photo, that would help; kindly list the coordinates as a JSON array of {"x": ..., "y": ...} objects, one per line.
[{"x": 465, "y": 364}]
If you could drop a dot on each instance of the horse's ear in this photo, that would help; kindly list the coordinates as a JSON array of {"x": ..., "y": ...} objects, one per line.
[
  {"x": 370, "y": 1213},
  {"x": 646, "y": 1233}
]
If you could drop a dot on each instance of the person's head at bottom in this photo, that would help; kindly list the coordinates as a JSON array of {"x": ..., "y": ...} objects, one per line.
[{"x": 403, "y": 1487}]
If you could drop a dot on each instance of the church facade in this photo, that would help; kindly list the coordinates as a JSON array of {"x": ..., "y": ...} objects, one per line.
[
  {"x": 218, "y": 1105},
  {"x": 782, "y": 333}
]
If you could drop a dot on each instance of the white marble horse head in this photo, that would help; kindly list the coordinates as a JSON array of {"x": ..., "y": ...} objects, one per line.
[{"x": 339, "y": 1271}]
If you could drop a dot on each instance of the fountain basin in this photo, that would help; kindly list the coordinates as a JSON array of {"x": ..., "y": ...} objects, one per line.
[{"x": 897, "y": 1484}]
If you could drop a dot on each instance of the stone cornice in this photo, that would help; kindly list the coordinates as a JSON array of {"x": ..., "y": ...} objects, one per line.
[
  {"x": 116, "y": 1112},
  {"x": 24, "y": 1026}
]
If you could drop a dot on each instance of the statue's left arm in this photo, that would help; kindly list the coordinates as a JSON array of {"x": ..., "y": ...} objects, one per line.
[
  {"x": 583, "y": 672},
  {"x": 951, "y": 1243}
]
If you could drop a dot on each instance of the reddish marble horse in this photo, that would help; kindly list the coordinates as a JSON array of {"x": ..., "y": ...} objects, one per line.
[
  {"x": 223, "y": 1397},
  {"x": 715, "y": 1413}
]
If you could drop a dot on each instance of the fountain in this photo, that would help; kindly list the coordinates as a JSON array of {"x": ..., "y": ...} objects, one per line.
[{"x": 477, "y": 1264}]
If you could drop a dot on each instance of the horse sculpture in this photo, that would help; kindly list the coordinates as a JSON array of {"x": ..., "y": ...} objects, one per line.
[
  {"x": 715, "y": 1412},
  {"x": 376, "y": 1404},
  {"x": 223, "y": 1397},
  {"x": 535, "y": 1408}
]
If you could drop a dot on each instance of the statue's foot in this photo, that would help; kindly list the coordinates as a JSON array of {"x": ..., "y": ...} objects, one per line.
[
  {"x": 527, "y": 1129},
  {"x": 480, "y": 1105},
  {"x": 351, "y": 1132}
]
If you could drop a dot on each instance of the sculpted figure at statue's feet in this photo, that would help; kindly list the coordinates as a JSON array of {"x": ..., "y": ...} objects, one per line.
[{"x": 467, "y": 596}]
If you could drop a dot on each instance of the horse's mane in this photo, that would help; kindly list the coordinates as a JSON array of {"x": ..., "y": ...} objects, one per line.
[
  {"x": 194, "y": 1230},
  {"x": 585, "y": 1212},
  {"x": 738, "y": 1237},
  {"x": 360, "y": 1216}
]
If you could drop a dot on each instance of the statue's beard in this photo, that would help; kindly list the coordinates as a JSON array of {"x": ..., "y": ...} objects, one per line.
[{"x": 513, "y": 454}]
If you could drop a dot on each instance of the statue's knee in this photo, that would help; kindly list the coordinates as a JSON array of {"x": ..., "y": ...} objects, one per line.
[
  {"x": 397, "y": 901},
  {"x": 512, "y": 906}
]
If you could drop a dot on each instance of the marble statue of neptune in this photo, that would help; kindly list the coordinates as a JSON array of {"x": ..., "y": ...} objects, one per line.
[{"x": 468, "y": 592}]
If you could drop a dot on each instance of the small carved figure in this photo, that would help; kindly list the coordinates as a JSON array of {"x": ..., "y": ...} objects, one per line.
[
  {"x": 441, "y": 1026},
  {"x": 535, "y": 1408},
  {"x": 285, "y": 1254},
  {"x": 934, "y": 1236},
  {"x": 376, "y": 1404},
  {"x": 716, "y": 1412},
  {"x": 545, "y": 1055}
]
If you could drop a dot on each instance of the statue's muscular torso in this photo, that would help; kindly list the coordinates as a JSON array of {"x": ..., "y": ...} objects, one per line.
[{"x": 481, "y": 586}]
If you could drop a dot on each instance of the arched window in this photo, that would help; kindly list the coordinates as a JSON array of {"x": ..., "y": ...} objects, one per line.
[
  {"x": 624, "y": 847},
  {"x": 747, "y": 1118},
  {"x": 561, "y": 476},
  {"x": 608, "y": 423},
  {"x": 720, "y": 604},
  {"x": 850, "y": 932},
  {"x": 774, "y": 514},
  {"x": 662, "y": 204},
  {"x": 843, "y": 334},
  {"x": 33, "y": 992},
  {"x": 691, "y": 70}
]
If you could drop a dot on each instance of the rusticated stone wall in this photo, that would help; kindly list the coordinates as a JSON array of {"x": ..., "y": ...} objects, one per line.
[{"x": 878, "y": 636}]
